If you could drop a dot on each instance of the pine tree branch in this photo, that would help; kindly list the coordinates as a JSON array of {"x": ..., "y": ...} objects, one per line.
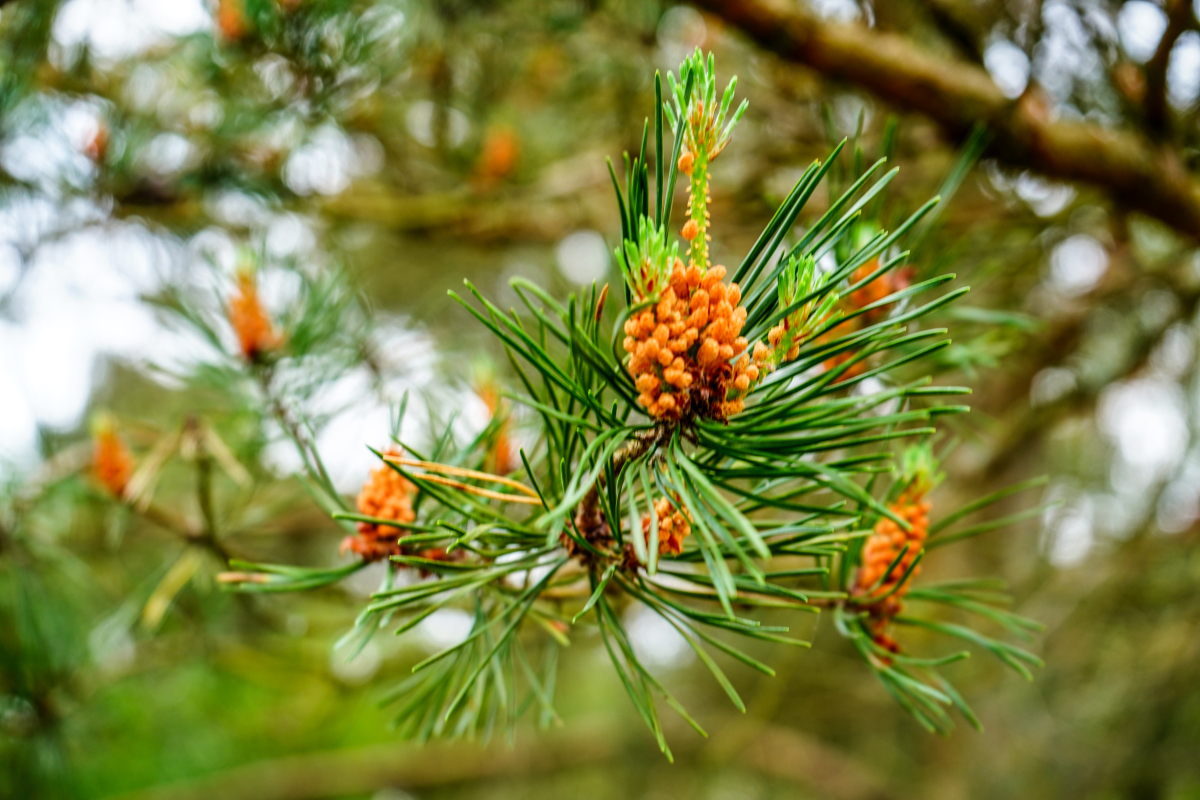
[
  {"x": 963, "y": 25},
  {"x": 1133, "y": 171},
  {"x": 1179, "y": 18},
  {"x": 1024, "y": 426}
]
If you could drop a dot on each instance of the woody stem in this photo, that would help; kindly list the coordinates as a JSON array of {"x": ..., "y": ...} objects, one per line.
[{"x": 635, "y": 449}]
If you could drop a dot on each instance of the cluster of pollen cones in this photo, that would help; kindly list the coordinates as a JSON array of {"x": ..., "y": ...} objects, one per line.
[
  {"x": 673, "y": 527},
  {"x": 681, "y": 347},
  {"x": 112, "y": 463},
  {"x": 249, "y": 319},
  {"x": 386, "y": 495},
  {"x": 869, "y": 294},
  {"x": 879, "y": 552}
]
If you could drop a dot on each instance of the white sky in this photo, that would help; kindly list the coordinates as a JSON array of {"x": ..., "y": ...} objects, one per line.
[{"x": 116, "y": 29}]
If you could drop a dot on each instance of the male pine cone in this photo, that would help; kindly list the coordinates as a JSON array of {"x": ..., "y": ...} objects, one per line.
[{"x": 681, "y": 348}]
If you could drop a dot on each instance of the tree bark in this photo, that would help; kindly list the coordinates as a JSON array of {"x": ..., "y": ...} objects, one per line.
[{"x": 1134, "y": 172}]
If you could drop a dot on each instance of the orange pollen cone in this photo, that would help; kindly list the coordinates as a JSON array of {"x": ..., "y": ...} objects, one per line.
[
  {"x": 256, "y": 336},
  {"x": 386, "y": 495},
  {"x": 112, "y": 462}
]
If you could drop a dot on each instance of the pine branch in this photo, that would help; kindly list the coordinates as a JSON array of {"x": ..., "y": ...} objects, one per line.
[
  {"x": 1180, "y": 18},
  {"x": 957, "y": 95}
]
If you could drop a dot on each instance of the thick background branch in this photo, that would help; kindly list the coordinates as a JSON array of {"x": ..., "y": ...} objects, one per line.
[
  {"x": 1137, "y": 174},
  {"x": 1179, "y": 19}
]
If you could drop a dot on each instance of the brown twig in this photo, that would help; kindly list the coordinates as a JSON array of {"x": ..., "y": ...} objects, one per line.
[{"x": 589, "y": 520}]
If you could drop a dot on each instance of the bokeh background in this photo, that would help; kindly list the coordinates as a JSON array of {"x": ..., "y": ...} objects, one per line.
[{"x": 403, "y": 145}]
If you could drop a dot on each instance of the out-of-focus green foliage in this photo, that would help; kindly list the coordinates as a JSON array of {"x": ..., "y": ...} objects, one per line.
[{"x": 371, "y": 154}]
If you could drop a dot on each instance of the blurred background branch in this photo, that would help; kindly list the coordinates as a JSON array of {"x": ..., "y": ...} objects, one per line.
[{"x": 1136, "y": 172}]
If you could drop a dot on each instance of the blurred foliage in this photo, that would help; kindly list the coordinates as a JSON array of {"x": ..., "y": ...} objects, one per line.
[{"x": 370, "y": 154}]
